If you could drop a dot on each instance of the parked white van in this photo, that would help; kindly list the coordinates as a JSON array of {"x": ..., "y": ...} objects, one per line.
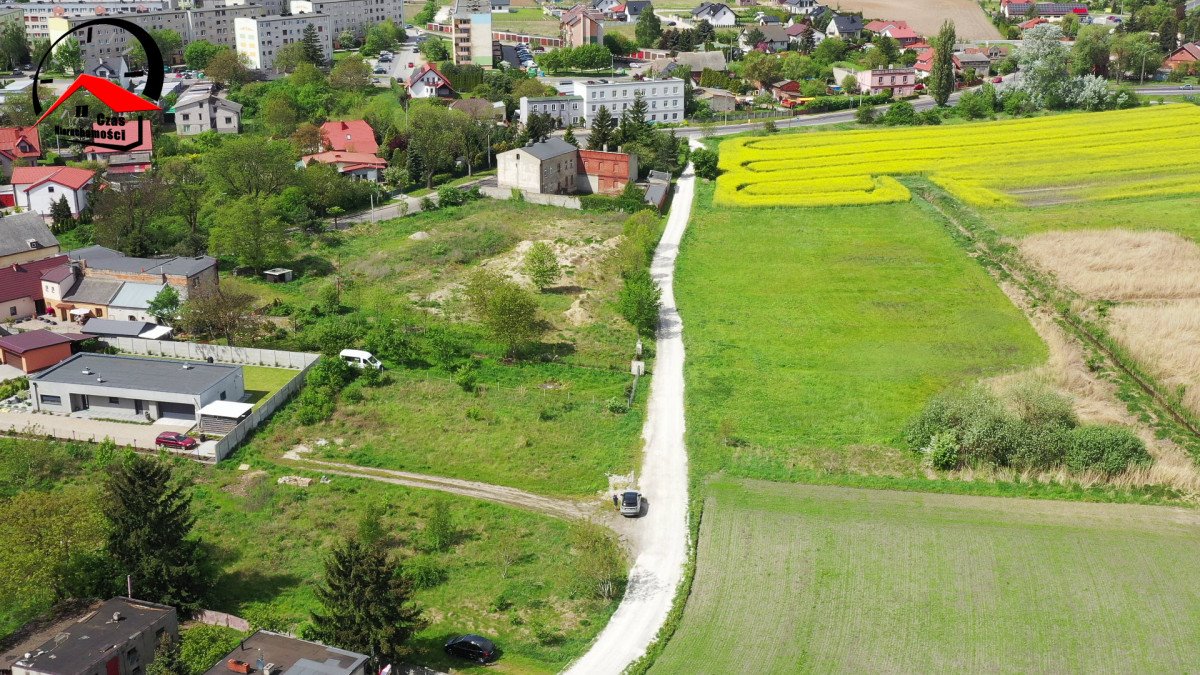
[{"x": 360, "y": 359}]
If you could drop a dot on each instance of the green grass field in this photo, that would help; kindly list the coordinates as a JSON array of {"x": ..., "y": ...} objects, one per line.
[
  {"x": 1170, "y": 214},
  {"x": 271, "y": 540},
  {"x": 794, "y": 578},
  {"x": 813, "y": 335}
]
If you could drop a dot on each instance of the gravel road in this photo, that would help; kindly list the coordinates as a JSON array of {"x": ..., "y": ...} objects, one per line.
[{"x": 660, "y": 538}]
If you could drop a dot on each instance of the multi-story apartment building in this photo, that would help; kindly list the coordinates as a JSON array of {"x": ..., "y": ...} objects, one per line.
[
  {"x": 258, "y": 38},
  {"x": 563, "y": 109},
  {"x": 38, "y": 12},
  {"x": 664, "y": 98},
  {"x": 471, "y": 23},
  {"x": 214, "y": 24},
  {"x": 355, "y": 16}
]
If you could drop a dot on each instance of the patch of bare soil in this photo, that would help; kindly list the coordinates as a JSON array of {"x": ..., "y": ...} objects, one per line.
[{"x": 246, "y": 482}]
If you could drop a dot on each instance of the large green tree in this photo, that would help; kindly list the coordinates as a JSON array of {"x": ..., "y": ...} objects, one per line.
[
  {"x": 507, "y": 311},
  {"x": 229, "y": 68},
  {"x": 249, "y": 231},
  {"x": 164, "y": 306},
  {"x": 221, "y": 314},
  {"x": 169, "y": 44},
  {"x": 648, "y": 28},
  {"x": 941, "y": 76},
  {"x": 603, "y": 128},
  {"x": 247, "y": 166},
  {"x": 198, "y": 54},
  {"x": 150, "y": 534},
  {"x": 366, "y": 604},
  {"x": 313, "y": 51},
  {"x": 14, "y": 46},
  {"x": 68, "y": 56}
]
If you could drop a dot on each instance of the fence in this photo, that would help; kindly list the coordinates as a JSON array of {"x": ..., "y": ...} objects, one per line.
[
  {"x": 563, "y": 201},
  {"x": 212, "y": 618},
  {"x": 246, "y": 356},
  {"x": 232, "y": 439}
]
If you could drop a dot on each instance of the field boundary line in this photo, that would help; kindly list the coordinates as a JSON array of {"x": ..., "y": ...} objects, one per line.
[{"x": 1041, "y": 291}]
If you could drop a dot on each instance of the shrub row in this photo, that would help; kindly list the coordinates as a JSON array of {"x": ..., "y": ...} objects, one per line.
[
  {"x": 1032, "y": 428},
  {"x": 822, "y": 104}
]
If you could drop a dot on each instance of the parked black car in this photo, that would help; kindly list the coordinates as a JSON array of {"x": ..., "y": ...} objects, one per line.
[{"x": 474, "y": 647}]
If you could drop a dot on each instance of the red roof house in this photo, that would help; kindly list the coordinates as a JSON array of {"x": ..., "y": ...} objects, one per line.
[
  {"x": 1036, "y": 21},
  {"x": 35, "y": 350},
  {"x": 1186, "y": 54},
  {"x": 351, "y": 135},
  {"x": 21, "y": 287},
  {"x": 18, "y": 143},
  {"x": 134, "y": 160},
  {"x": 428, "y": 82},
  {"x": 878, "y": 26},
  {"x": 363, "y": 165},
  {"x": 902, "y": 34},
  {"x": 924, "y": 61},
  {"x": 37, "y": 188}
]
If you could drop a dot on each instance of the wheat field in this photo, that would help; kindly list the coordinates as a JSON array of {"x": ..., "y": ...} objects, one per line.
[
  {"x": 1119, "y": 265},
  {"x": 1045, "y": 160}
]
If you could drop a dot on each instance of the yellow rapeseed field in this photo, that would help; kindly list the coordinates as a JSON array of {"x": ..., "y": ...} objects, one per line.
[{"x": 1075, "y": 157}]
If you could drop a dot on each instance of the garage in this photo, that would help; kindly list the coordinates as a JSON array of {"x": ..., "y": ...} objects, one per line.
[{"x": 177, "y": 411}]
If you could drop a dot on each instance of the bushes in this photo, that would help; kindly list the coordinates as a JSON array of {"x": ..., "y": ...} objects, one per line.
[
  {"x": 823, "y": 104},
  {"x": 1029, "y": 428},
  {"x": 705, "y": 163},
  {"x": 639, "y": 302}
]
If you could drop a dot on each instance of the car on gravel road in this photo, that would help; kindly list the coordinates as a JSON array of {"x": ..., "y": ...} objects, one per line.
[
  {"x": 170, "y": 439},
  {"x": 632, "y": 502},
  {"x": 474, "y": 647}
]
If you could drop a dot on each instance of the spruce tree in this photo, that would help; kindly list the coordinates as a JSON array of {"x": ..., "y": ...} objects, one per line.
[
  {"x": 150, "y": 520},
  {"x": 569, "y": 135},
  {"x": 807, "y": 41},
  {"x": 367, "y": 603},
  {"x": 312, "y": 46},
  {"x": 648, "y": 28},
  {"x": 602, "y": 130},
  {"x": 941, "y": 76},
  {"x": 60, "y": 215}
]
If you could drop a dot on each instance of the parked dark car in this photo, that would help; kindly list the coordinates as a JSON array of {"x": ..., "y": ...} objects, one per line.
[
  {"x": 474, "y": 647},
  {"x": 170, "y": 439}
]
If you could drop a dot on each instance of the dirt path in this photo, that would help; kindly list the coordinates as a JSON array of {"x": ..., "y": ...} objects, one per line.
[
  {"x": 660, "y": 538},
  {"x": 559, "y": 508}
]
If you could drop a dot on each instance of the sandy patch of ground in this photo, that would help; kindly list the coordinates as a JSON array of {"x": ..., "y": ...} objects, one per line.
[
  {"x": 1119, "y": 264},
  {"x": 926, "y": 17},
  {"x": 245, "y": 483}
]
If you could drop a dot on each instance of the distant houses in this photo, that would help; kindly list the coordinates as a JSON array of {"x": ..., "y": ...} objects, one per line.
[
  {"x": 37, "y": 188},
  {"x": 200, "y": 108},
  {"x": 429, "y": 82},
  {"x": 717, "y": 14},
  {"x": 556, "y": 167},
  {"x": 349, "y": 146},
  {"x": 18, "y": 145}
]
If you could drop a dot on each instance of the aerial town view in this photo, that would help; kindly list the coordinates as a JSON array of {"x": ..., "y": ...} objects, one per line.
[{"x": 382, "y": 337}]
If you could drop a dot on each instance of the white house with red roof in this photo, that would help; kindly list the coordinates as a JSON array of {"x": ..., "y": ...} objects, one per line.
[
  {"x": 902, "y": 34},
  {"x": 17, "y": 144},
  {"x": 37, "y": 188},
  {"x": 428, "y": 82},
  {"x": 361, "y": 165},
  {"x": 349, "y": 136},
  {"x": 135, "y": 160}
]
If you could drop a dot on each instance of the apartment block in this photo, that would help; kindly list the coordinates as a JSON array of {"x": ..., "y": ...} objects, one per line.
[
  {"x": 564, "y": 110},
  {"x": 215, "y": 24},
  {"x": 355, "y": 16},
  {"x": 37, "y": 14},
  {"x": 471, "y": 23},
  {"x": 259, "y": 38},
  {"x": 664, "y": 98}
]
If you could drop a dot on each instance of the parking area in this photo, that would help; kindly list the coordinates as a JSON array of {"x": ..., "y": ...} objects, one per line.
[{"x": 80, "y": 429}]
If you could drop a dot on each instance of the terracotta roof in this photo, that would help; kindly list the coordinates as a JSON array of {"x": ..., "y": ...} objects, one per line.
[
  {"x": 25, "y": 280},
  {"x": 131, "y": 134},
  {"x": 1192, "y": 49},
  {"x": 876, "y": 26},
  {"x": 901, "y": 33},
  {"x": 335, "y": 157},
  {"x": 34, "y": 339},
  {"x": 427, "y": 68},
  {"x": 352, "y": 135},
  {"x": 1033, "y": 22},
  {"x": 10, "y": 137},
  {"x": 67, "y": 176}
]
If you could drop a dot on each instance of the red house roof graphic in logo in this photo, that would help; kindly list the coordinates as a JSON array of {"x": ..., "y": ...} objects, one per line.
[{"x": 121, "y": 102}]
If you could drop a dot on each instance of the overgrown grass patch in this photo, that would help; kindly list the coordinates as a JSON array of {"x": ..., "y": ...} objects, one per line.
[{"x": 813, "y": 335}]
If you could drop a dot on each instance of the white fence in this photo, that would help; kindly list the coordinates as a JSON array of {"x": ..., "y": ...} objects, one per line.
[
  {"x": 563, "y": 201},
  {"x": 232, "y": 439},
  {"x": 246, "y": 356},
  {"x": 214, "y": 618}
]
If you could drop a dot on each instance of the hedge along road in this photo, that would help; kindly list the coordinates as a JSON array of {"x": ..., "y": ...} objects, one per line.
[{"x": 660, "y": 537}]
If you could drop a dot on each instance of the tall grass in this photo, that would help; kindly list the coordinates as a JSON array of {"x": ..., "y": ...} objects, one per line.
[{"x": 1119, "y": 264}]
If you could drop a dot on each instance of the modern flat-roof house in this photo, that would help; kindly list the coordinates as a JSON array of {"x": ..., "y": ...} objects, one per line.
[
  {"x": 35, "y": 350},
  {"x": 103, "y": 328},
  {"x": 24, "y": 237},
  {"x": 201, "y": 109},
  {"x": 131, "y": 387},
  {"x": 118, "y": 638},
  {"x": 292, "y": 656},
  {"x": 37, "y": 188}
]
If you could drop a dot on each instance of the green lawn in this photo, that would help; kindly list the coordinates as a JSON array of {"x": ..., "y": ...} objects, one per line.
[
  {"x": 813, "y": 335},
  {"x": 878, "y": 581},
  {"x": 1172, "y": 214},
  {"x": 261, "y": 382}
]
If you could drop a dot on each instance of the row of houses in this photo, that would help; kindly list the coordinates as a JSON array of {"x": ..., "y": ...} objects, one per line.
[{"x": 120, "y": 636}]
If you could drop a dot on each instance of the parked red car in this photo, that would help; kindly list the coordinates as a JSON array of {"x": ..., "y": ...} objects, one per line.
[
  {"x": 170, "y": 439},
  {"x": 997, "y": 80}
]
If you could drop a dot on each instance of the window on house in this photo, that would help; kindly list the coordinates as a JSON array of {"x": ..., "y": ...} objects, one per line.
[
  {"x": 12, "y": 311},
  {"x": 50, "y": 400},
  {"x": 222, "y": 396},
  {"x": 114, "y": 399},
  {"x": 50, "y": 189}
]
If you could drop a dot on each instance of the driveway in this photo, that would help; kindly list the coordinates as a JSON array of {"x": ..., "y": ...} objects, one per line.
[
  {"x": 660, "y": 538},
  {"x": 74, "y": 428}
]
